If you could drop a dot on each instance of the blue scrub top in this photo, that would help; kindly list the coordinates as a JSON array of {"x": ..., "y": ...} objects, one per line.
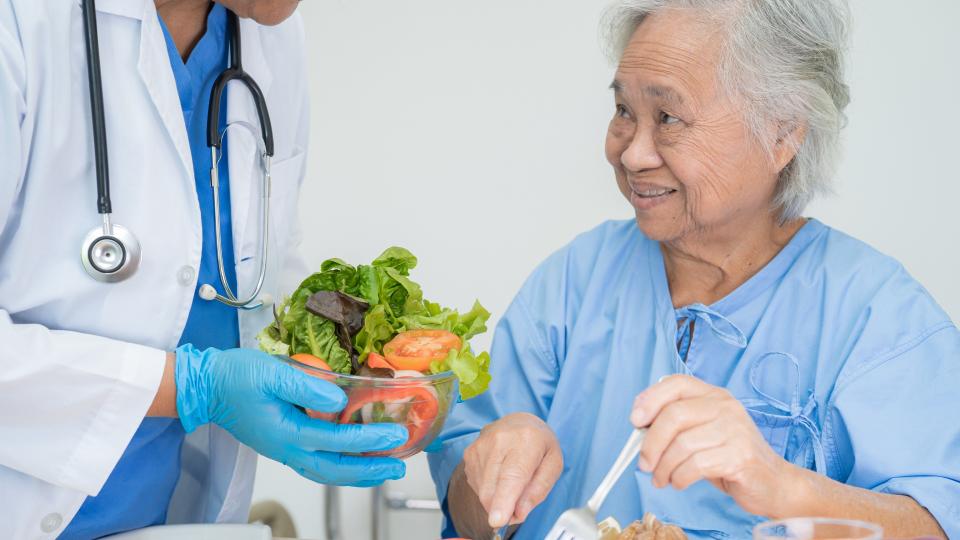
[
  {"x": 845, "y": 363},
  {"x": 138, "y": 490}
]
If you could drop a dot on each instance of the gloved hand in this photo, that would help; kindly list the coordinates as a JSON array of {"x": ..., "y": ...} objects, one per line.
[{"x": 253, "y": 396}]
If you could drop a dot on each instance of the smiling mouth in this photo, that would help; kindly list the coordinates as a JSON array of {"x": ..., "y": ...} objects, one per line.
[{"x": 653, "y": 193}]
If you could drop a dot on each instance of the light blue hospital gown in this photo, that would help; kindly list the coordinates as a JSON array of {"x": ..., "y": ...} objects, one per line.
[{"x": 845, "y": 362}]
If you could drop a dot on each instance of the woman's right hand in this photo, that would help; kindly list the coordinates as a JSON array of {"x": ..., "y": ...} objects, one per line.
[{"x": 512, "y": 466}]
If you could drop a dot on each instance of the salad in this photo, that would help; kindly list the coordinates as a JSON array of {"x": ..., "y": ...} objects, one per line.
[{"x": 369, "y": 329}]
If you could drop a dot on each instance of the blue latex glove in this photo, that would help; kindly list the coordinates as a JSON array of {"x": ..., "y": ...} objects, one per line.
[{"x": 253, "y": 396}]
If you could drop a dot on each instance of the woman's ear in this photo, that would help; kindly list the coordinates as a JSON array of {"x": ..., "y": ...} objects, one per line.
[{"x": 790, "y": 136}]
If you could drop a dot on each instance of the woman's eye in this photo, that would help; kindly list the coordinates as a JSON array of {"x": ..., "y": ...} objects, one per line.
[{"x": 668, "y": 119}]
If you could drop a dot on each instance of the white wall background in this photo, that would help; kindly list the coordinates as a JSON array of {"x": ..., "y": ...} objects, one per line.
[{"x": 472, "y": 133}]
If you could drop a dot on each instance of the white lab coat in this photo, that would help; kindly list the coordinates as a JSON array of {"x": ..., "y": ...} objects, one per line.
[{"x": 80, "y": 361}]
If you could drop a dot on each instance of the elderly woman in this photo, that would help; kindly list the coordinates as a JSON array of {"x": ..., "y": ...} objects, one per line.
[{"x": 782, "y": 367}]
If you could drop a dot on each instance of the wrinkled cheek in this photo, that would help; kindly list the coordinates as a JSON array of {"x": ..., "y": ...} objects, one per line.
[
  {"x": 711, "y": 194},
  {"x": 688, "y": 173},
  {"x": 714, "y": 173},
  {"x": 693, "y": 209}
]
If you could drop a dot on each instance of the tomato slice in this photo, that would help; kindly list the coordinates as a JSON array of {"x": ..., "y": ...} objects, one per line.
[
  {"x": 423, "y": 409},
  {"x": 375, "y": 360},
  {"x": 417, "y": 349},
  {"x": 315, "y": 362}
]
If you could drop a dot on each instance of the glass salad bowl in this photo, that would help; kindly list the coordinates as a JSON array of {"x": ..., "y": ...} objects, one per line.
[{"x": 419, "y": 402}]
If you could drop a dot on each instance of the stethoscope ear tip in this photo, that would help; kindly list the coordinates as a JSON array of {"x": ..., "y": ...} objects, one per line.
[{"x": 207, "y": 292}]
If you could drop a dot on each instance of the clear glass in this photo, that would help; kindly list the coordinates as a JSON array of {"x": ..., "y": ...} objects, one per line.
[
  {"x": 422, "y": 404},
  {"x": 817, "y": 529}
]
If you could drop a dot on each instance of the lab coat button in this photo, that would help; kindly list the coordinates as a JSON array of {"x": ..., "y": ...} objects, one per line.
[
  {"x": 51, "y": 522},
  {"x": 186, "y": 275}
]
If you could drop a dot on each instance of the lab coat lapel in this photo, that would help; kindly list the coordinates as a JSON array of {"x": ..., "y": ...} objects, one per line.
[
  {"x": 124, "y": 8},
  {"x": 154, "y": 68},
  {"x": 244, "y": 147}
]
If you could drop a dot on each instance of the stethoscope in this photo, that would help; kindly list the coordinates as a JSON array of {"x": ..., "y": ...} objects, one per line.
[{"x": 111, "y": 253}]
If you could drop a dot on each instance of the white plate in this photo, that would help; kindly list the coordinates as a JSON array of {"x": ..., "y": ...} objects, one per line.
[{"x": 224, "y": 531}]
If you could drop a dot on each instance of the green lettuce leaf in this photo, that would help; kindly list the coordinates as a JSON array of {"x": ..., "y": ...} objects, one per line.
[
  {"x": 308, "y": 333},
  {"x": 399, "y": 293},
  {"x": 397, "y": 258},
  {"x": 270, "y": 343},
  {"x": 473, "y": 371},
  {"x": 369, "y": 284},
  {"x": 396, "y": 290},
  {"x": 376, "y": 331},
  {"x": 334, "y": 275},
  {"x": 318, "y": 336},
  {"x": 434, "y": 317},
  {"x": 472, "y": 323}
]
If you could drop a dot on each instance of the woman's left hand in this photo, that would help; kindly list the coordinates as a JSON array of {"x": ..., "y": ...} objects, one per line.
[{"x": 700, "y": 432}]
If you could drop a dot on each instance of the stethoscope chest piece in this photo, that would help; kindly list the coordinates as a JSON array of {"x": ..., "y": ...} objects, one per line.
[{"x": 110, "y": 253}]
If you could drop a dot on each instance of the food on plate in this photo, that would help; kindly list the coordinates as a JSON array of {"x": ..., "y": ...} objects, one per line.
[{"x": 649, "y": 528}]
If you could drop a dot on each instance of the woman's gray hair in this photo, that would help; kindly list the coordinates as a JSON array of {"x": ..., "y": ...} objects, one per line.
[{"x": 783, "y": 59}]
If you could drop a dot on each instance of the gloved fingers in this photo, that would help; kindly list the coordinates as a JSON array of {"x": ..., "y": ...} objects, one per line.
[
  {"x": 340, "y": 470},
  {"x": 294, "y": 386},
  {"x": 319, "y": 435}
]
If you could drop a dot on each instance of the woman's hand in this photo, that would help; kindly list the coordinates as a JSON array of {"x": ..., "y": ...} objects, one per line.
[
  {"x": 512, "y": 466},
  {"x": 698, "y": 431}
]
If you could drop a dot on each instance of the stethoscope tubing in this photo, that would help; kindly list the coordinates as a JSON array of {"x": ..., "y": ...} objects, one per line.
[
  {"x": 95, "y": 84},
  {"x": 229, "y": 298},
  {"x": 124, "y": 242},
  {"x": 236, "y": 73}
]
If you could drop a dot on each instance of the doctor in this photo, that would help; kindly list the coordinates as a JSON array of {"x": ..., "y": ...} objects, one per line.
[{"x": 126, "y": 399}]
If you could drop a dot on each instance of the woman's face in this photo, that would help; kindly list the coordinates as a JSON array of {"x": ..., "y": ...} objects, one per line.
[
  {"x": 683, "y": 155},
  {"x": 268, "y": 12}
]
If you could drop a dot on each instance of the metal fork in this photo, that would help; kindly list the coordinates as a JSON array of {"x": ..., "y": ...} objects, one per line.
[{"x": 581, "y": 523}]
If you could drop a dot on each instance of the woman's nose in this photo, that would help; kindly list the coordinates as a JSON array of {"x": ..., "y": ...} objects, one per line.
[{"x": 642, "y": 153}]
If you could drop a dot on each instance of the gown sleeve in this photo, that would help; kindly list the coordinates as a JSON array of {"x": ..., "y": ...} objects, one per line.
[
  {"x": 524, "y": 372},
  {"x": 909, "y": 399}
]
